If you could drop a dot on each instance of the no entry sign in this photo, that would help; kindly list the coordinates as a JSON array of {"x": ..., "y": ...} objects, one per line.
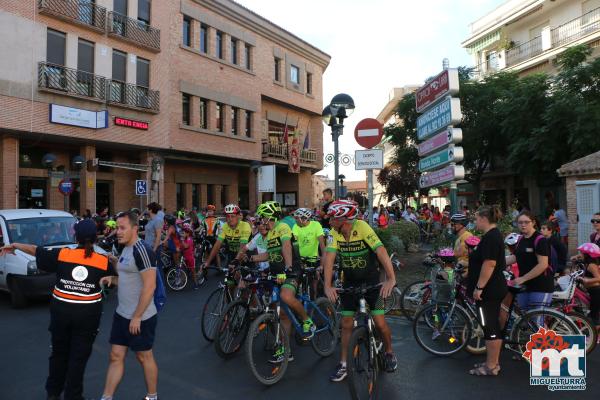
[{"x": 368, "y": 132}]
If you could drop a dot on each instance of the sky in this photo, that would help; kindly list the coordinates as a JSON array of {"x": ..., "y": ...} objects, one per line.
[{"x": 376, "y": 45}]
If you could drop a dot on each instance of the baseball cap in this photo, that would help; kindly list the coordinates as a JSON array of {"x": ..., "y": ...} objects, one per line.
[{"x": 85, "y": 230}]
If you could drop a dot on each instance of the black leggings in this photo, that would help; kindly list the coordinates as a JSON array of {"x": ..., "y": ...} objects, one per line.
[
  {"x": 488, "y": 312},
  {"x": 595, "y": 304}
]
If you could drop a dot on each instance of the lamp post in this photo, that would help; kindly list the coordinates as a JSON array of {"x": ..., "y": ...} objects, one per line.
[{"x": 340, "y": 108}]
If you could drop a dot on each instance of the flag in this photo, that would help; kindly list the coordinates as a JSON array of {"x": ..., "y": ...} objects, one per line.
[
  {"x": 285, "y": 131},
  {"x": 307, "y": 138}
]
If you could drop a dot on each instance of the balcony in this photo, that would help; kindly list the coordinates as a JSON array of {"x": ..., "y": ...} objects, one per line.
[
  {"x": 132, "y": 96},
  {"x": 280, "y": 151},
  {"x": 308, "y": 156},
  {"x": 81, "y": 12},
  {"x": 71, "y": 82},
  {"x": 133, "y": 31},
  {"x": 577, "y": 28},
  {"x": 524, "y": 51}
]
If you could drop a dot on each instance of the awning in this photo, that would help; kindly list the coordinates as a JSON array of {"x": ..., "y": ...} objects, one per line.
[{"x": 484, "y": 42}]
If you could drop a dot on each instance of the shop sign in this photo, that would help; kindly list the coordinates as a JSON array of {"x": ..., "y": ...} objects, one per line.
[
  {"x": 130, "y": 123},
  {"x": 78, "y": 117}
]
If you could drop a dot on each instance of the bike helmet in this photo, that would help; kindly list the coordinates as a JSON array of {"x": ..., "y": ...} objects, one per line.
[
  {"x": 112, "y": 224},
  {"x": 232, "y": 209},
  {"x": 591, "y": 249},
  {"x": 343, "y": 209},
  {"x": 472, "y": 241},
  {"x": 303, "y": 213},
  {"x": 512, "y": 239},
  {"x": 459, "y": 219},
  {"x": 187, "y": 227},
  {"x": 269, "y": 209},
  {"x": 446, "y": 255},
  {"x": 210, "y": 207},
  {"x": 170, "y": 219}
]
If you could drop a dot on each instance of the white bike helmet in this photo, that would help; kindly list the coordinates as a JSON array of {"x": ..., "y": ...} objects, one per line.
[
  {"x": 303, "y": 213},
  {"x": 232, "y": 209},
  {"x": 512, "y": 239}
]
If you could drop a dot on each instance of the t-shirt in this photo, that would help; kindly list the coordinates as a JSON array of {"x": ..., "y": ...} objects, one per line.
[
  {"x": 150, "y": 230},
  {"x": 357, "y": 255},
  {"x": 188, "y": 250},
  {"x": 491, "y": 247},
  {"x": 307, "y": 238},
  {"x": 563, "y": 222},
  {"x": 236, "y": 236},
  {"x": 325, "y": 219},
  {"x": 260, "y": 244},
  {"x": 134, "y": 261},
  {"x": 289, "y": 220},
  {"x": 526, "y": 254},
  {"x": 275, "y": 238},
  {"x": 460, "y": 244}
]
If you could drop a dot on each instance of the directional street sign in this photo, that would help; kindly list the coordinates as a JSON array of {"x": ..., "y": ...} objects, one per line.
[
  {"x": 446, "y": 83},
  {"x": 141, "y": 188},
  {"x": 447, "y": 112},
  {"x": 449, "y": 136},
  {"x": 446, "y": 174},
  {"x": 443, "y": 157},
  {"x": 368, "y": 159}
]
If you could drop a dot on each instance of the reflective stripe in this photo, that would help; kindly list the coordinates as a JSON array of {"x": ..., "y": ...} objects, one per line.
[
  {"x": 77, "y": 301},
  {"x": 76, "y": 297},
  {"x": 77, "y": 294},
  {"x": 77, "y": 256}
]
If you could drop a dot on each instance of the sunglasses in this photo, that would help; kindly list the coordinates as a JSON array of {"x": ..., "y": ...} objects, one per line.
[{"x": 595, "y": 221}]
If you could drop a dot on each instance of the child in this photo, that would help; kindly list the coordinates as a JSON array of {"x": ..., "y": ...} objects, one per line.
[
  {"x": 187, "y": 246},
  {"x": 558, "y": 259}
]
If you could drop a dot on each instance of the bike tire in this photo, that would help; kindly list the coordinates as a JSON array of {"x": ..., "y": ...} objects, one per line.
[
  {"x": 362, "y": 368},
  {"x": 212, "y": 310},
  {"x": 413, "y": 297},
  {"x": 587, "y": 327},
  {"x": 328, "y": 337},
  {"x": 266, "y": 324},
  {"x": 391, "y": 302},
  {"x": 476, "y": 344},
  {"x": 176, "y": 279},
  {"x": 235, "y": 319},
  {"x": 434, "y": 316}
]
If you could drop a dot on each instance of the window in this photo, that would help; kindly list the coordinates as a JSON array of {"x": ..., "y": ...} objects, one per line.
[
  {"x": 185, "y": 109},
  {"x": 120, "y": 6},
  {"x": 247, "y": 52},
  {"x": 85, "y": 56},
  {"x": 248, "y": 123},
  {"x": 277, "y": 65},
  {"x": 234, "y": 120},
  {"x": 203, "y": 114},
  {"x": 143, "y": 72},
  {"x": 55, "y": 52},
  {"x": 119, "y": 66},
  {"x": 187, "y": 39},
  {"x": 295, "y": 74},
  {"x": 179, "y": 190},
  {"x": 219, "y": 109},
  {"x": 219, "y": 44},
  {"x": 309, "y": 89},
  {"x": 144, "y": 11},
  {"x": 203, "y": 38},
  {"x": 234, "y": 47},
  {"x": 537, "y": 30}
]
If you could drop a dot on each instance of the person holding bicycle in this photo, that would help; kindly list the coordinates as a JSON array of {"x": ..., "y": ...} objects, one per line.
[
  {"x": 591, "y": 280},
  {"x": 486, "y": 282},
  {"x": 187, "y": 244},
  {"x": 360, "y": 249},
  {"x": 310, "y": 238}
]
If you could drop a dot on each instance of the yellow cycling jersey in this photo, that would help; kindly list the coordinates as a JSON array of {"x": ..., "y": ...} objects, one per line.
[
  {"x": 234, "y": 237},
  {"x": 275, "y": 238}
]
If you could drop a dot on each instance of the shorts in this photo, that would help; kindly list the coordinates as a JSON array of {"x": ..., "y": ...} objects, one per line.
[
  {"x": 350, "y": 303},
  {"x": 291, "y": 283},
  {"x": 121, "y": 336},
  {"x": 190, "y": 262},
  {"x": 530, "y": 300},
  {"x": 488, "y": 312}
]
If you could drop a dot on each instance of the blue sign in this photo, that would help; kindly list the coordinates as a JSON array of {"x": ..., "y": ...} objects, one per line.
[
  {"x": 65, "y": 186},
  {"x": 439, "y": 117},
  {"x": 141, "y": 188}
]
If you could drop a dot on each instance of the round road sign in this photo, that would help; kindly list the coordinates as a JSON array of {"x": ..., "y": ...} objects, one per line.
[
  {"x": 65, "y": 186},
  {"x": 368, "y": 132}
]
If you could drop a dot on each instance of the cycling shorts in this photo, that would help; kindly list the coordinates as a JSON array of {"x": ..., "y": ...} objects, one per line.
[
  {"x": 350, "y": 303},
  {"x": 488, "y": 312},
  {"x": 291, "y": 283}
]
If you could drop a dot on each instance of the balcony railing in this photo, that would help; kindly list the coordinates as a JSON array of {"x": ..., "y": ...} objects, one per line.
[
  {"x": 278, "y": 150},
  {"x": 308, "y": 156},
  {"x": 132, "y": 96},
  {"x": 133, "y": 30},
  {"x": 576, "y": 28},
  {"x": 69, "y": 81},
  {"x": 524, "y": 51},
  {"x": 80, "y": 11}
]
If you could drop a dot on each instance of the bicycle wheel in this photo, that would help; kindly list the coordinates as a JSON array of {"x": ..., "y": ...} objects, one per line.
[
  {"x": 476, "y": 344},
  {"x": 530, "y": 322},
  {"x": 322, "y": 312},
  {"x": 211, "y": 312},
  {"x": 266, "y": 339},
  {"x": 362, "y": 367},
  {"x": 176, "y": 279},
  {"x": 587, "y": 327},
  {"x": 391, "y": 302},
  {"x": 441, "y": 330},
  {"x": 414, "y": 296},
  {"x": 232, "y": 328}
]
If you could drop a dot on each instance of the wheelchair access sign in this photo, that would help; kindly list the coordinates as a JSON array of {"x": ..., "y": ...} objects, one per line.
[{"x": 141, "y": 188}]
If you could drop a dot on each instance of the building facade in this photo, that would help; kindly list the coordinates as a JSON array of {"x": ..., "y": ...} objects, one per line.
[{"x": 190, "y": 96}]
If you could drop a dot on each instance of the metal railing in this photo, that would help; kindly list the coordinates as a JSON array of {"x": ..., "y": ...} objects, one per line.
[
  {"x": 133, "y": 96},
  {"x": 524, "y": 51},
  {"x": 280, "y": 150},
  {"x": 134, "y": 31},
  {"x": 79, "y": 11},
  {"x": 308, "y": 156},
  {"x": 577, "y": 28},
  {"x": 71, "y": 81},
  {"x": 484, "y": 69}
]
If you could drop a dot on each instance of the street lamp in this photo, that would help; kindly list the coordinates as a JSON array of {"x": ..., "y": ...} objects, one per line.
[
  {"x": 78, "y": 162},
  {"x": 340, "y": 107}
]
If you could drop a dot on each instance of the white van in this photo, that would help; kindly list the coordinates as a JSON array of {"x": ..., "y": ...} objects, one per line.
[{"x": 19, "y": 273}]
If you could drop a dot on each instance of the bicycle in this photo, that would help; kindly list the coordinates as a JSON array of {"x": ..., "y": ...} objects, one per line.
[
  {"x": 365, "y": 348},
  {"x": 177, "y": 277},
  {"x": 267, "y": 337},
  {"x": 215, "y": 305}
]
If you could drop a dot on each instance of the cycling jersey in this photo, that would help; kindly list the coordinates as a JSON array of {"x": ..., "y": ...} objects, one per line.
[
  {"x": 357, "y": 255},
  {"x": 275, "y": 238},
  {"x": 211, "y": 225},
  {"x": 234, "y": 237},
  {"x": 307, "y": 238}
]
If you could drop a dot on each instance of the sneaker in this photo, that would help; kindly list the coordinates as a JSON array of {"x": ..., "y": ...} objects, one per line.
[
  {"x": 339, "y": 374},
  {"x": 277, "y": 358},
  {"x": 308, "y": 328},
  {"x": 391, "y": 363}
]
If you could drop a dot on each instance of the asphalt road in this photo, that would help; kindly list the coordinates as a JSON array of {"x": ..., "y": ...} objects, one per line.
[{"x": 190, "y": 369}]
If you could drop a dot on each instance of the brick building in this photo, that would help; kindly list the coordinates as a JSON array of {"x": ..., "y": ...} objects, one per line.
[{"x": 190, "y": 95}]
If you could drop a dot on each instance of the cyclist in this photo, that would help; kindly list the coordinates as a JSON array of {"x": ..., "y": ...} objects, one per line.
[
  {"x": 187, "y": 244},
  {"x": 281, "y": 260},
  {"x": 591, "y": 257},
  {"x": 511, "y": 241},
  {"x": 309, "y": 237},
  {"x": 210, "y": 224},
  {"x": 359, "y": 249},
  {"x": 172, "y": 242},
  {"x": 459, "y": 226}
]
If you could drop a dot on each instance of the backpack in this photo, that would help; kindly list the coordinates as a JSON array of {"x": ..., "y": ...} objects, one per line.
[
  {"x": 552, "y": 258},
  {"x": 160, "y": 293}
]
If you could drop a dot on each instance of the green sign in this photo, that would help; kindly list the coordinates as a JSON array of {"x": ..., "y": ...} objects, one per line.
[{"x": 441, "y": 158}]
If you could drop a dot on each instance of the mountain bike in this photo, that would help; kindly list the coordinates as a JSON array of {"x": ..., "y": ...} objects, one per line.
[{"x": 215, "y": 305}]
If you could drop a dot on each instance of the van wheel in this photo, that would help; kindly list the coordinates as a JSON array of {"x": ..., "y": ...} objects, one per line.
[{"x": 17, "y": 298}]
